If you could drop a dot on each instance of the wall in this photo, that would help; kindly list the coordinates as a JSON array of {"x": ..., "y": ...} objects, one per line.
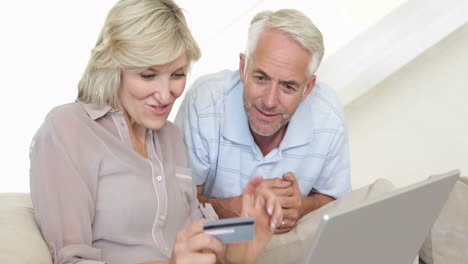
[
  {"x": 414, "y": 123},
  {"x": 45, "y": 46}
]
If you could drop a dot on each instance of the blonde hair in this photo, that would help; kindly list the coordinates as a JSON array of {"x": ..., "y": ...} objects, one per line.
[
  {"x": 296, "y": 25},
  {"x": 136, "y": 34}
]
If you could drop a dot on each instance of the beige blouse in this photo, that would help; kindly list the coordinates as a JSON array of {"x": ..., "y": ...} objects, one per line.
[{"x": 96, "y": 200}]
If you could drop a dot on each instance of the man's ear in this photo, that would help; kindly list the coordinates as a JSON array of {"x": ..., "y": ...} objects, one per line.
[
  {"x": 309, "y": 87},
  {"x": 241, "y": 65}
]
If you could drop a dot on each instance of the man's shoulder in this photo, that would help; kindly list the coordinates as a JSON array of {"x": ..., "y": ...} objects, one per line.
[
  {"x": 324, "y": 99},
  {"x": 210, "y": 89}
]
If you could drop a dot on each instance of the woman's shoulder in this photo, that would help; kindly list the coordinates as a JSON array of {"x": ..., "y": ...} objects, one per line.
[
  {"x": 65, "y": 111},
  {"x": 64, "y": 117}
]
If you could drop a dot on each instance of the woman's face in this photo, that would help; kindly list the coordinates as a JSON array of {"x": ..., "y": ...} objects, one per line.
[{"x": 147, "y": 95}]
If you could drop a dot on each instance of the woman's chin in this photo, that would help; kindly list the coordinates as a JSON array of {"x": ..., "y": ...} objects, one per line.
[{"x": 155, "y": 124}]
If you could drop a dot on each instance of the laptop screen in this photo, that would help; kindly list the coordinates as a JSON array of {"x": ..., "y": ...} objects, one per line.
[{"x": 386, "y": 230}]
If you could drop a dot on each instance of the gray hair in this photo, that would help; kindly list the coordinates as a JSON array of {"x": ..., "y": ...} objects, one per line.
[
  {"x": 136, "y": 34},
  {"x": 295, "y": 25}
]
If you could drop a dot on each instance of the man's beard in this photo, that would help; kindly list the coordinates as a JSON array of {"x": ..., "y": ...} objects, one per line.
[{"x": 248, "y": 107}]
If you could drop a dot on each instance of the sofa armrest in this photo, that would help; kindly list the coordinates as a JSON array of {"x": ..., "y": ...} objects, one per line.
[
  {"x": 20, "y": 239},
  {"x": 448, "y": 239}
]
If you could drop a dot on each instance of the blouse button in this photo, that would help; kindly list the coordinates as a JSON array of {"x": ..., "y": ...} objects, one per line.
[{"x": 159, "y": 178}]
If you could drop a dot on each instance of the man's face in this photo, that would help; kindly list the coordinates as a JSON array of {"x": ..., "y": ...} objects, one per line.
[{"x": 275, "y": 82}]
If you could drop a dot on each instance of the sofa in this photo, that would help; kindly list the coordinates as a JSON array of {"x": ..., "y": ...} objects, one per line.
[{"x": 21, "y": 241}]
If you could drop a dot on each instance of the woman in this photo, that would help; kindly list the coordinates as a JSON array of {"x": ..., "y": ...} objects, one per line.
[{"x": 110, "y": 178}]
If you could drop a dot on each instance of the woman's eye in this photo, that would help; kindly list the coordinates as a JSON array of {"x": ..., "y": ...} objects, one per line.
[
  {"x": 148, "y": 76},
  {"x": 179, "y": 75}
]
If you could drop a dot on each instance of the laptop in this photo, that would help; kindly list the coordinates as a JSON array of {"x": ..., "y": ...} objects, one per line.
[{"x": 387, "y": 230}]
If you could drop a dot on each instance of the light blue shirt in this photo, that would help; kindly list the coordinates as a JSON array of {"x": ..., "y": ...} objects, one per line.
[{"x": 225, "y": 157}]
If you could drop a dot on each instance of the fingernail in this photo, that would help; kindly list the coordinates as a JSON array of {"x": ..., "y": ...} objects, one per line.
[
  {"x": 273, "y": 225},
  {"x": 270, "y": 210}
]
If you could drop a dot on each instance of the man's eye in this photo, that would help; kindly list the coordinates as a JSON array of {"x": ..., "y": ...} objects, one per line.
[
  {"x": 259, "y": 78},
  {"x": 288, "y": 88}
]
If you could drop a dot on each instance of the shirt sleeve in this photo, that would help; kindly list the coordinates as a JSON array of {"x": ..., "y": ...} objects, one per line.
[
  {"x": 62, "y": 198},
  {"x": 335, "y": 179},
  {"x": 199, "y": 211},
  {"x": 187, "y": 120}
]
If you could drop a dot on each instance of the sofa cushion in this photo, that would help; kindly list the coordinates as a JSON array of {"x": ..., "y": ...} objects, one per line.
[
  {"x": 20, "y": 239},
  {"x": 448, "y": 239}
]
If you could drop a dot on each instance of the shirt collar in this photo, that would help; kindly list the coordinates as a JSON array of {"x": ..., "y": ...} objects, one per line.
[
  {"x": 96, "y": 111},
  {"x": 300, "y": 129},
  {"x": 236, "y": 127}
]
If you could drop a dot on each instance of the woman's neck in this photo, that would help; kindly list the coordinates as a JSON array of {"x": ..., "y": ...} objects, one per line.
[{"x": 137, "y": 135}]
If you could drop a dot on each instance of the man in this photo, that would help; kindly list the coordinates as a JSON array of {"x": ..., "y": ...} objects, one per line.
[{"x": 269, "y": 119}]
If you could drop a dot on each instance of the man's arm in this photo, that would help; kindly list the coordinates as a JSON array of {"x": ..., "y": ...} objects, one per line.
[
  {"x": 294, "y": 204},
  {"x": 231, "y": 207},
  {"x": 314, "y": 201},
  {"x": 224, "y": 207}
]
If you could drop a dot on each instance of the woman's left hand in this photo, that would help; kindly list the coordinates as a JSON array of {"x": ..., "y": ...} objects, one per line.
[{"x": 260, "y": 203}]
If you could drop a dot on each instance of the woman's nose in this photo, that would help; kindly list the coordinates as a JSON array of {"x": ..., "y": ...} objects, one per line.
[{"x": 162, "y": 93}]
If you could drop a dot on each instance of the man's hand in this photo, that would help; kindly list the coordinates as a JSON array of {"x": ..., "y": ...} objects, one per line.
[
  {"x": 275, "y": 184},
  {"x": 292, "y": 202}
]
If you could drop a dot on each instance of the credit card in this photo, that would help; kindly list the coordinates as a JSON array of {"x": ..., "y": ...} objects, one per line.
[{"x": 231, "y": 230}]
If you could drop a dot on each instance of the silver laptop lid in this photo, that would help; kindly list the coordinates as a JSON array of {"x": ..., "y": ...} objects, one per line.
[{"x": 386, "y": 230}]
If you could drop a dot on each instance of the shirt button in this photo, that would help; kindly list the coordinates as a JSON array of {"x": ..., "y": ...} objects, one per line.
[
  {"x": 159, "y": 178},
  {"x": 162, "y": 217}
]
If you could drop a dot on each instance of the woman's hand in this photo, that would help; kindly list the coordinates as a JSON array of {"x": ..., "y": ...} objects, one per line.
[
  {"x": 194, "y": 246},
  {"x": 260, "y": 203}
]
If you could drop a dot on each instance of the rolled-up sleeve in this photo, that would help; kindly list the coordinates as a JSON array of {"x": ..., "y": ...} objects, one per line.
[{"x": 62, "y": 197}]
